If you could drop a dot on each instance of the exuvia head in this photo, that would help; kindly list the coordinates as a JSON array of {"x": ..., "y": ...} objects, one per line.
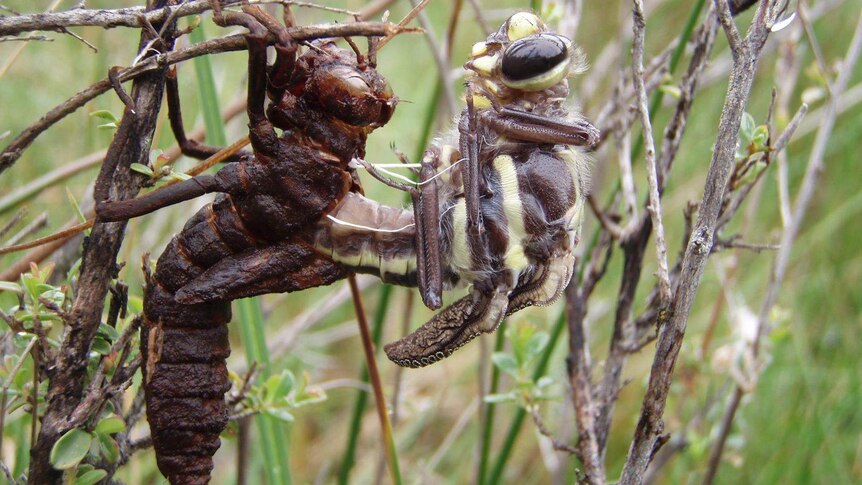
[
  {"x": 346, "y": 88},
  {"x": 524, "y": 55}
]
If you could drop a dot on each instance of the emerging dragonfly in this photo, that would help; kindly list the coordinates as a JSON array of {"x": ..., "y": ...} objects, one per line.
[{"x": 498, "y": 209}]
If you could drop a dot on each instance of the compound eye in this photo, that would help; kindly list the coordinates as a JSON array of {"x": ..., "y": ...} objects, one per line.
[{"x": 536, "y": 62}]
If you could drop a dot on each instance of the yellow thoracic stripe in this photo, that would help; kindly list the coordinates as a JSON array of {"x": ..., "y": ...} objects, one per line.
[
  {"x": 515, "y": 258},
  {"x": 460, "y": 248}
]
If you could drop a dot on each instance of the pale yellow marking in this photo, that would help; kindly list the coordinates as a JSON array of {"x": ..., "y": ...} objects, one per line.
[
  {"x": 515, "y": 258},
  {"x": 479, "y": 48},
  {"x": 485, "y": 64},
  {"x": 523, "y": 24},
  {"x": 560, "y": 271},
  {"x": 491, "y": 86},
  {"x": 481, "y": 102},
  {"x": 445, "y": 161},
  {"x": 460, "y": 249},
  {"x": 578, "y": 163},
  {"x": 400, "y": 266}
]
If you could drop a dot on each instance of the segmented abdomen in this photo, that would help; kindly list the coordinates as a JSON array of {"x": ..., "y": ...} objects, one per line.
[{"x": 185, "y": 347}]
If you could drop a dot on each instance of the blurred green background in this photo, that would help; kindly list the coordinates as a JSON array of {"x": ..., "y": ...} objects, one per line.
[{"x": 803, "y": 422}]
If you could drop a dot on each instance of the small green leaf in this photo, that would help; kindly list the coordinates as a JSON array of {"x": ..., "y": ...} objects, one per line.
[
  {"x": 506, "y": 363},
  {"x": 759, "y": 137},
  {"x": 280, "y": 413},
  {"x": 179, "y": 176},
  {"x": 91, "y": 477},
  {"x": 142, "y": 169},
  {"x": 544, "y": 381},
  {"x": 110, "y": 425},
  {"x": 108, "y": 447},
  {"x": 105, "y": 115},
  {"x": 309, "y": 395},
  {"x": 110, "y": 333},
  {"x": 536, "y": 345},
  {"x": 671, "y": 90},
  {"x": 746, "y": 128},
  {"x": 100, "y": 346},
  {"x": 278, "y": 386},
  {"x": 71, "y": 448},
  {"x": 9, "y": 286}
]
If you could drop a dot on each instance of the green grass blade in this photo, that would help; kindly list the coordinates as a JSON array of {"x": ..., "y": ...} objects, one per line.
[
  {"x": 490, "y": 408},
  {"x": 273, "y": 436}
]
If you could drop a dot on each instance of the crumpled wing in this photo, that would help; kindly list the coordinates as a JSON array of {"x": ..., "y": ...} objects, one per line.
[{"x": 449, "y": 330}]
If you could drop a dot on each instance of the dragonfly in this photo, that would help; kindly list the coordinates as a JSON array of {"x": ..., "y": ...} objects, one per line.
[{"x": 499, "y": 204}]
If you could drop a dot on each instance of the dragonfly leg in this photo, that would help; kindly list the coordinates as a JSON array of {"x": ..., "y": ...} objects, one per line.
[{"x": 532, "y": 127}]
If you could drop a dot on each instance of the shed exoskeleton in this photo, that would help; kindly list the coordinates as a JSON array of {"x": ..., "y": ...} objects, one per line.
[{"x": 256, "y": 237}]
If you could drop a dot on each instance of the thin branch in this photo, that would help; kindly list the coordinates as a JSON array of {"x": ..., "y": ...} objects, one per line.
[
  {"x": 647, "y": 439},
  {"x": 16, "y": 147},
  {"x": 440, "y": 59},
  {"x": 608, "y": 224},
  {"x": 654, "y": 206},
  {"x": 35, "y": 225},
  {"x": 131, "y": 144},
  {"x": 558, "y": 445},
  {"x": 631, "y": 336},
  {"x": 28, "y": 38},
  {"x": 134, "y": 17},
  {"x": 627, "y": 183},
  {"x": 815, "y": 46},
  {"x": 809, "y": 185},
  {"x": 16, "y": 219},
  {"x": 788, "y": 132},
  {"x": 580, "y": 375}
]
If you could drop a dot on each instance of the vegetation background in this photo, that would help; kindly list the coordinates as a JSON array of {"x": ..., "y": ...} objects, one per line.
[{"x": 801, "y": 424}]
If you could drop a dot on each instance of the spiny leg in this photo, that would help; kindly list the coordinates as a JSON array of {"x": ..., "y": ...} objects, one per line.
[
  {"x": 285, "y": 50},
  {"x": 426, "y": 218},
  {"x": 189, "y": 147},
  {"x": 120, "y": 210},
  {"x": 264, "y": 139},
  {"x": 473, "y": 185},
  {"x": 532, "y": 127}
]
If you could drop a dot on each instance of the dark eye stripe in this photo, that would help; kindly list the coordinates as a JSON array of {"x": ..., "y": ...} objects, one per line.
[{"x": 532, "y": 56}]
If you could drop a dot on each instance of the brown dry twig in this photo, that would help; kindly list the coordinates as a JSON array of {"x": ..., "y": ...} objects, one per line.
[
  {"x": 131, "y": 144},
  {"x": 782, "y": 257},
  {"x": 746, "y": 53}
]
